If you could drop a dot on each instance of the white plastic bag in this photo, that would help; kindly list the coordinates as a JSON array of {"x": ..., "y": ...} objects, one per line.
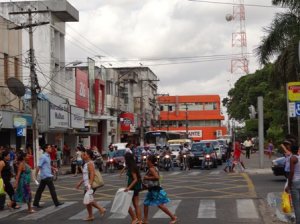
[
  {"x": 88, "y": 197},
  {"x": 122, "y": 202}
]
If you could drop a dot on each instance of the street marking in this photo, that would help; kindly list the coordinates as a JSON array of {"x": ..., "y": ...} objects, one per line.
[
  {"x": 194, "y": 173},
  {"x": 172, "y": 206},
  {"x": 207, "y": 209},
  {"x": 250, "y": 184},
  {"x": 174, "y": 173},
  {"x": 246, "y": 209},
  {"x": 215, "y": 172},
  {"x": 83, "y": 214},
  {"x": 121, "y": 216},
  {"x": 8, "y": 212},
  {"x": 47, "y": 211}
]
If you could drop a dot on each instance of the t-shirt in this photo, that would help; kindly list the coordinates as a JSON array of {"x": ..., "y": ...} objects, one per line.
[
  {"x": 237, "y": 150},
  {"x": 248, "y": 143},
  {"x": 78, "y": 156}
]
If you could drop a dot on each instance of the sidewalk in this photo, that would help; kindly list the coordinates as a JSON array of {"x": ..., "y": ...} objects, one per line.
[{"x": 253, "y": 164}]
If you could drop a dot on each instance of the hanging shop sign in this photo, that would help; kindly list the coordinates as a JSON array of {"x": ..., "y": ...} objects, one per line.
[
  {"x": 77, "y": 117},
  {"x": 127, "y": 122},
  {"x": 82, "y": 89}
]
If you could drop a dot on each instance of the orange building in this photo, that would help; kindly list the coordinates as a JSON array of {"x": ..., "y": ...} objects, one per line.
[{"x": 199, "y": 115}]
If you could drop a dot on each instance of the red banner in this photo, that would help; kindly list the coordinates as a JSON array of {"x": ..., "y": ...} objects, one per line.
[
  {"x": 96, "y": 89},
  {"x": 126, "y": 120},
  {"x": 82, "y": 90}
]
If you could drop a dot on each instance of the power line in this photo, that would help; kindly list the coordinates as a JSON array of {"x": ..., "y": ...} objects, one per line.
[{"x": 230, "y": 3}]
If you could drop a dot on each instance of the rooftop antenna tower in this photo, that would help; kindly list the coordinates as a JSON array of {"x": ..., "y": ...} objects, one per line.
[{"x": 239, "y": 60}]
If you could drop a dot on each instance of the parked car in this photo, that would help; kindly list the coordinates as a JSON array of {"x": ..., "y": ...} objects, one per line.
[
  {"x": 197, "y": 155},
  {"x": 217, "y": 148},
  {"x": 278, "y": 166}
]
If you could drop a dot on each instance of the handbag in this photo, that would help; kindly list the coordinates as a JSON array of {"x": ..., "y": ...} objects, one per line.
[
  {"x": 286, "y": 203},
  {"x": 121, "y": 202},
  {"x": 98, "y": 180},
  {"x": 1, "y": 187}
]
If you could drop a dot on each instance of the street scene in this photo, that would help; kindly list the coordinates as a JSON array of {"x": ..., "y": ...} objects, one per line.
[{"x": 154, "y": 111}]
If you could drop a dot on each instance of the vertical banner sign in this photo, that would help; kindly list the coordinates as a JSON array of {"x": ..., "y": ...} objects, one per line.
[
  {"x": 294, "y": 91},
  {"x": 91, "y": 71},
  {"x": 82, "y": 89}
]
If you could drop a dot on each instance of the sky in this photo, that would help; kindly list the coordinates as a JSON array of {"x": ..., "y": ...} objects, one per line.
[
  {"x": 181, "y": 32},
  {"x": 187, "y": 44}
]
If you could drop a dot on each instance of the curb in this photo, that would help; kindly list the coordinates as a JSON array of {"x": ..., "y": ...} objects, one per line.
[{"x": 274, "y": 201}]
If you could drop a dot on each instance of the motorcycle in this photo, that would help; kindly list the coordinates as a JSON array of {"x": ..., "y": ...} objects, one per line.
[
  {"x": 184, "y": 165},
  {"x": 110, "y": 165},
  {"x": 144, "y": 163},
  {"x": 208, "y": 161},
  {"x": 167, "y": 162}
]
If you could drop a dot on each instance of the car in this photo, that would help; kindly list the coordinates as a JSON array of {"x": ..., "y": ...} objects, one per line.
[
  {"x": 197, "y": 155},
  {"x": 278, "y": 166},
  {"x": 119, "y": 159},
  {"x": 217, "y": 148},
  {"x": 175, "y": 148}
]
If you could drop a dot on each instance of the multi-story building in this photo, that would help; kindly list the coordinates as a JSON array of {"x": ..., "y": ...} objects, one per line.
[
  {"x": 10, "y": 66},
  {"x": 130, "y": 97},
  {"x": 198, "y": 115},
  {"x": 49, "y": 51}
]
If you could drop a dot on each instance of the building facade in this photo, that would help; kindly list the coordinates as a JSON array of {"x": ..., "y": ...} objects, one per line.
[{"x": 198, "y": 115}]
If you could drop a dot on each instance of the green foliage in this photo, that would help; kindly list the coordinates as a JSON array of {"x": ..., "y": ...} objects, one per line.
[{"x": 277, "y": 134}]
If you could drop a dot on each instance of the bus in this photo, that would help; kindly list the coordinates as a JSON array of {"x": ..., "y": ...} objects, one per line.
[{"x": 161, "y": 138}]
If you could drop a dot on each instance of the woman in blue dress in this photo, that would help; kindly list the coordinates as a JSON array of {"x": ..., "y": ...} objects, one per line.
[
  {"x": 22, "y": 183},
  {"x": 156, "y": 196}
]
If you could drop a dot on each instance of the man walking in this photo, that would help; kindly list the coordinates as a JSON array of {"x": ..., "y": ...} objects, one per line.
[
  {"x": 46, "y": 178},
  {"x": 248, "y": 145}
]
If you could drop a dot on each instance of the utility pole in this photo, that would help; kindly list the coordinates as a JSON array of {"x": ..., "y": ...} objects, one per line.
[
  {"x": 142, "y": 115},
  {"x": 35, "y": 88},
  {"x": 260, "y": 108},
  {"x": 186, "y": 121}
]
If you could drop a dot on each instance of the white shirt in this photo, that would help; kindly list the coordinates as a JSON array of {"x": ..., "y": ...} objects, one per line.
[
  {"x": 247, "y": 143},
  {"x": 78, "y": 156}
]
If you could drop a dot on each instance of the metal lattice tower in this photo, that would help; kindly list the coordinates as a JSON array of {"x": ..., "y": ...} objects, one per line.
[{"x": 239, "y": 61}]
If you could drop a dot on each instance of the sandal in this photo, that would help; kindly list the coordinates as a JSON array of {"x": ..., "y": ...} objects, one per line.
[
  {"x": 89, "y": 218},
  {"x": 145, "y": 222},
  {"x": 31, "y": 211},
  {"x": 102, "y": 213},
  {"x": 174, "y": 221},
  {"x": 135, "y": 221}
]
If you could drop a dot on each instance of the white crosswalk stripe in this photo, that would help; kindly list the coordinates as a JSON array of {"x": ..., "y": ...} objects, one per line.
[
  {"x": 216, "y": 172},
  {"x": 172, "y": 206},
  {"x": 195, "y": 173},
  {"x": 246, "y": 209},
  {"x": 83, "y": 214},
  {"x": 174, "y": 173},
  {"x": 207, "y": 209},
  {"x": 47, "y": 211}
]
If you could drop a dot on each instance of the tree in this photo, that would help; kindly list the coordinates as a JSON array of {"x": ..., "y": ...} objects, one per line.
[{"x": 282, "y": 40}]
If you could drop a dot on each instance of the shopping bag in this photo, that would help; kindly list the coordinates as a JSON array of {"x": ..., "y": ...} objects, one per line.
[
  {"x": 98, "y": 180},
  {"x": 1, "y": 187},
  {"x": 122, "y": 202},
  {"x": 286, "y": 202},
  {"x": 88, "y": 197}
]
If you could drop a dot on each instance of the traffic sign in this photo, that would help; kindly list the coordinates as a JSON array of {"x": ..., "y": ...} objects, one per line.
[
  {"x": 297, "y": 109},
  {"x": 292, "y": 109}
]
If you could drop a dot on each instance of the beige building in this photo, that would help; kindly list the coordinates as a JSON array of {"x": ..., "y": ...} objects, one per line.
[{"x": 10, "y": 63}]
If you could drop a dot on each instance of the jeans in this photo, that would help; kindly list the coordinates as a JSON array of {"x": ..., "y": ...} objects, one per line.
[
  {"x": 295, "y": 193},
  {"x": 248, "y": 152},
  {"x": 49, "y": 182}
]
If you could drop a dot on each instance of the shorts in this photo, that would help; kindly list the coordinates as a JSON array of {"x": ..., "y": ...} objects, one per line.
[
  {"x": 136, "y": 193},
  {"x": 79, "y": 162}
]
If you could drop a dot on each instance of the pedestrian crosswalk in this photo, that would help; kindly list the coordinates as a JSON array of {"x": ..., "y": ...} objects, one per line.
[{"x": 242, "y": 209}]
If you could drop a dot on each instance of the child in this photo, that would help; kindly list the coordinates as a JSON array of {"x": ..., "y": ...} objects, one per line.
[{"x": 156, "y": 196}]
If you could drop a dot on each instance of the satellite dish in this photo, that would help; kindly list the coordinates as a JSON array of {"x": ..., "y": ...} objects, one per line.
[
  {"x": 15, "y": 86},
  {"x": 229, "y": 17}
]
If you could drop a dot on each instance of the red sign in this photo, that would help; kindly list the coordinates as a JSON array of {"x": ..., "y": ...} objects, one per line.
[
  {"x": 126, "y": 120},
  {"x": 82, "y": 90}
]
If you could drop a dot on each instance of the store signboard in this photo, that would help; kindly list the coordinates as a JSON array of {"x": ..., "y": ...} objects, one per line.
[
  {"x": 77, "y": 117},
  {"x": 59, "y": 116}
]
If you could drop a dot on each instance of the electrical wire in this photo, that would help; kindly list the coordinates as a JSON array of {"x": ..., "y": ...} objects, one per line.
[{"x": 230, "y": 3}]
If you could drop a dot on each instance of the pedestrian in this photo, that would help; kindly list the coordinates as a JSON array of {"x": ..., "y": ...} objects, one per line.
[
  {"x": 22, "y": 183},
  {"x": 237, "y": 155},
  {"x": 12, "y": 157},
  {"x": 156, "y": 196},
  {"x": 270, "y": 148},
  {"x": 79, "y": 161},
  {"x": 46, "y": 176},
  {"x": 53, "y": 154},
  {"x": 286, "y": 146},
  {"x": 134, "y": 183},
  {"x": 293, "y": 185},
  {"x": 248, "y": 145},
  {"x": 59, "y": 157},
  {"x": 228, "y": 157},
  {"x": 66, "y": 154},
  {"x": 88, "y": 175},
  {"x": 30, "y": 157},
  {"x": 5, "y": 174}
]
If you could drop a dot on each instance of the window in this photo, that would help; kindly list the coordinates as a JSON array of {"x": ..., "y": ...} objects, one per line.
[
  {"x": 109, "y": 87},
  {"x": 6, "y": 68},
  {"x": 210, "y": 106}
]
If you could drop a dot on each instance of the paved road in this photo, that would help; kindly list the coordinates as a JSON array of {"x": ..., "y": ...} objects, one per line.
[{"x": 197, "y": 196}]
